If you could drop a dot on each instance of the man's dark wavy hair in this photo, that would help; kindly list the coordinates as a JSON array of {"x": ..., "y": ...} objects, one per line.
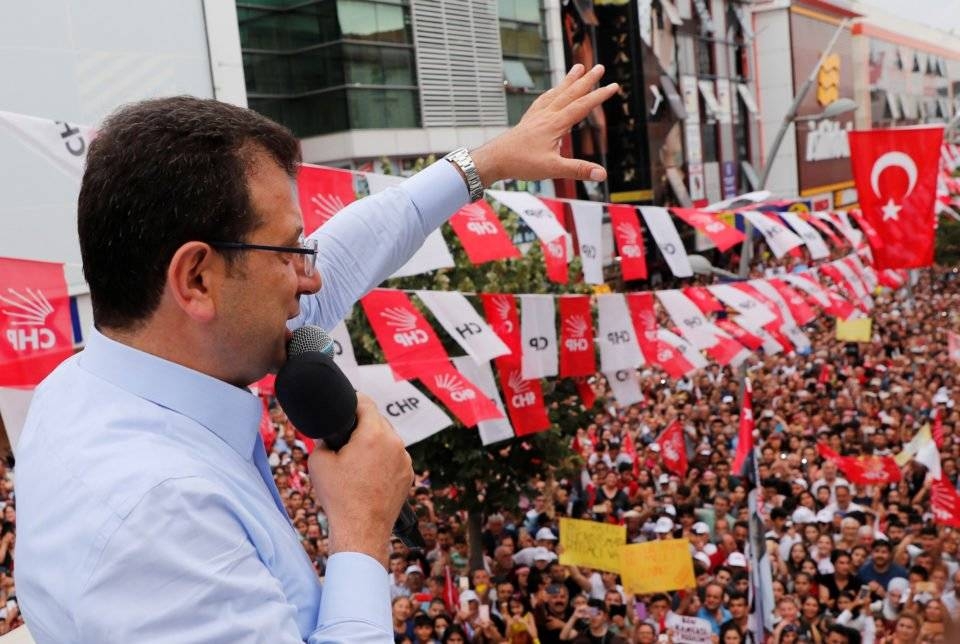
[{"x": 161, "y": 173}]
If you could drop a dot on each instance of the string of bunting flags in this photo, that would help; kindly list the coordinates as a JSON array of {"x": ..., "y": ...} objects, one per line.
[{"x": 529, "y": 337}]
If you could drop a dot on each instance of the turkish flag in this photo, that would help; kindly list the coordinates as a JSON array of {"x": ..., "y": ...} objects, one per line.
[
  {"x": 745, "y": 434},
  {"x": 451, "y": 593},
  {"x": 323, "y": 192},
  {"x": 895, "y": 171},
  {"x": 555, "y": 252},
  {"x": 720, "y": 233},
  {"x": 629, "y": 238},
  {"x": 36, "y": 330},
  {"x": 578, "y": 356},
  {"x": 703, "y": 298},
  {"x": 467, "y": 402},
  {"x": 409, "y": 343},
  {"x": 945, "y": 503},
  {"x": 523, "y": 398},
  {"x": 481, "y": 234},
  {"x": 673, "y": 448}
]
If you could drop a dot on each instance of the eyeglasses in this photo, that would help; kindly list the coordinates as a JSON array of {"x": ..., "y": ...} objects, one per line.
[{"x": 307, "y": 248}]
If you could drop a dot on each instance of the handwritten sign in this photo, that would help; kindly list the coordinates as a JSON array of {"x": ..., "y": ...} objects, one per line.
[
  {"x": 858, "y": 330},
  {"x": 657, "y": 566},
  {"x": 692, "y": 630},
  {"x": 588, "y": 543}
]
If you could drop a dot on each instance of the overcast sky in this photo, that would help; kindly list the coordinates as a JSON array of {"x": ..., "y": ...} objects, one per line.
[{"x": 943, "y": 14}]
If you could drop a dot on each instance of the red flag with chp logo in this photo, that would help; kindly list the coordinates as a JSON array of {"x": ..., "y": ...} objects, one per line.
[
  {"x": 323, "y": 192},
  {"x": 629, "y": 237},
  {"x": 36, "y": 330},
  {"x": 483, "y": 237},
  {"x": 523, "y": 398},
  {"x": 578, "y": 355},
  {"x": 673, "y": 448}
]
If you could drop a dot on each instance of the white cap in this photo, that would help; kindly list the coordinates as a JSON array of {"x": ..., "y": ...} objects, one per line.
[
  {"x": 664, "y": 479},
  {"x": 469, "y": 596},
  {"x": 669, "y": 509},
  {"x": 545, "y": 534},
  {"x": 543, "y": 554},
  {"x": 737, "y": 560},
  {"x": 703, "y": 558},
  {"x": 710, "y": 549},
  {"x": 701, "y": 528},
  {"x": 825, "y": 516},
  {"x": 414, "y": 568},
  {"x": 654, "y": 447},
  {"x": 664, "y": 525},
  {"x": 803, "y": 515}
]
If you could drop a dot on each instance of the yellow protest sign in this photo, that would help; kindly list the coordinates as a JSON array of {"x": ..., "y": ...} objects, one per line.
[
  {"x": 859, "y": 330},
  {"x": 588, "y": 543},
  {"x": 657, "y": 566}
]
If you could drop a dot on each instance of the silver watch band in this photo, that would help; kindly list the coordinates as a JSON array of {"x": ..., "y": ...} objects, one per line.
[{"x": 462, "y": 159}]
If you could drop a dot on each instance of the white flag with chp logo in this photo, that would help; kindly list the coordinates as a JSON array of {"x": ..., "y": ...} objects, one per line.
[
  {"x": 752, "y": 311},
  {"x": 343, "y": 347},
  {"x": 687, "y": 350},
  {"x": 480, "y": 374},
  {"x": 790, "y": 327},
  {"x": 665, "y": 235},
  {"x": 625, "y": 386},
  {"x": 462, "y": 323},
  {"x": 409, "y": 410},
  {"x": 433, "y": 254},
  {"x": 810, "y": 235},
  {"x": 538, "y": 337},
  {"x": 533, "y": 212},
  {"x": 588, "y": 220},
  {"x": 615, "y": 335},
  {"x": 780, "y": 239},
  {"x": 65, "y": 144}
]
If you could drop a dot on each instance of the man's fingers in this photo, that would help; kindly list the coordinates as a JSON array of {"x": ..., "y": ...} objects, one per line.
[
  {"x": 580, "y": 87},
  {"x": 551, "y": 94},
  {"x": 578, "y": 109},
  {"x": 580, "y": 170}
]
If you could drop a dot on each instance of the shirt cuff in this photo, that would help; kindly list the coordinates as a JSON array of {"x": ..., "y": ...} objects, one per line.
[
  {"x": 437, "y": 191},
  {"x": 356, "y": 589}
]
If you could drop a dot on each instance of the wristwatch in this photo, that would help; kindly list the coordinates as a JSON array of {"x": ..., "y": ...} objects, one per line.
[{"x": 462, "y": 159}]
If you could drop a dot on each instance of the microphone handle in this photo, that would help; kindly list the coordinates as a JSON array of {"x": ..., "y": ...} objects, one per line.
[{"x": 407, "y": 527}]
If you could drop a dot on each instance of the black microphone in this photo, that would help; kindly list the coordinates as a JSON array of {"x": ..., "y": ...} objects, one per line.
[{"x": 320, "y": 401}]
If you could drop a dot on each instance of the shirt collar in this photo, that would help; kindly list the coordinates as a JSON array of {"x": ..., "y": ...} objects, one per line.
[{"x": 230, "y": 412}]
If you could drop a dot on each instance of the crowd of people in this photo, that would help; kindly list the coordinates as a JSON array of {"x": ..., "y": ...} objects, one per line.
[{"x": 850, "y": 563}]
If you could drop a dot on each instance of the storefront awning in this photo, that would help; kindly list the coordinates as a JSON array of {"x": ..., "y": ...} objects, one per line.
[
  {"x": 673, "y": 97},
  {"x": 710, "y": 98}
]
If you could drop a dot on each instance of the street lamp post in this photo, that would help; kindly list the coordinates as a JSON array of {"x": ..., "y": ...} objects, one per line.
[{"x": 834, "y": 109}]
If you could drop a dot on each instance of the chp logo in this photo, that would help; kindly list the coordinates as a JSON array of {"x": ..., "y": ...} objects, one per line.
[
  {"x": 404, "y": 322},
  {"x": 504, "y": 306},
  {"x": 478, "y": 222},
  {"x": 27, "y": 313},
  {"x": 576, "y": 327},
  {"x": 520, "y": 394},
  {"x": 629, "y": 240},
  {"x": 459, "y": 390},
  {"x": 325, "y": 206},
  {"x": 557, "y": 249}
]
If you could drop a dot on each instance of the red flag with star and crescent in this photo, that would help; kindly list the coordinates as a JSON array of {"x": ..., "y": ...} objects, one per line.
[
  {"x": 896, "y": 175},
  {"x": 673, "y": 449}
]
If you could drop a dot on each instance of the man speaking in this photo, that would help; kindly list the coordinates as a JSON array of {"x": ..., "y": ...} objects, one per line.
[{"x": 146, "y": 507}]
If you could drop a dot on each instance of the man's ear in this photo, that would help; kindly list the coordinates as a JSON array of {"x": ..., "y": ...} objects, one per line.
[{"x": 194, "y": 276}]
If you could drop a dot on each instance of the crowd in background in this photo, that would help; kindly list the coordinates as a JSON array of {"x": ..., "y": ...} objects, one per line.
[{"x": 851, "y": 563}]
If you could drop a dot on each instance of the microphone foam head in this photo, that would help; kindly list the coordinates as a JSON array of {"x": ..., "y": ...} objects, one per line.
[{"x": 309, "y": 338}]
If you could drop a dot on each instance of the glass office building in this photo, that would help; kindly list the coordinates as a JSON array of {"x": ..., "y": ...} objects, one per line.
[{"x": 327, "y": 66}]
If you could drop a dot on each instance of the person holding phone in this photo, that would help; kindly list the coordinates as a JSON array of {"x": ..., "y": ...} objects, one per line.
[{"x": 592, "y": 625}]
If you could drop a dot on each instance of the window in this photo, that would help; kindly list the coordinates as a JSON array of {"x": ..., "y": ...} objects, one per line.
[
  {"x": 310, "y": 64},
  {"x": 705, "y": 65},
  {"x": 521, "y": 10},
  {"x": 526, "y": 72}
]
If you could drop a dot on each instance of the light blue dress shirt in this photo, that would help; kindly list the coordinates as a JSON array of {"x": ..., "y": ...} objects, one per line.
[{"x": 146, "y": 510}]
